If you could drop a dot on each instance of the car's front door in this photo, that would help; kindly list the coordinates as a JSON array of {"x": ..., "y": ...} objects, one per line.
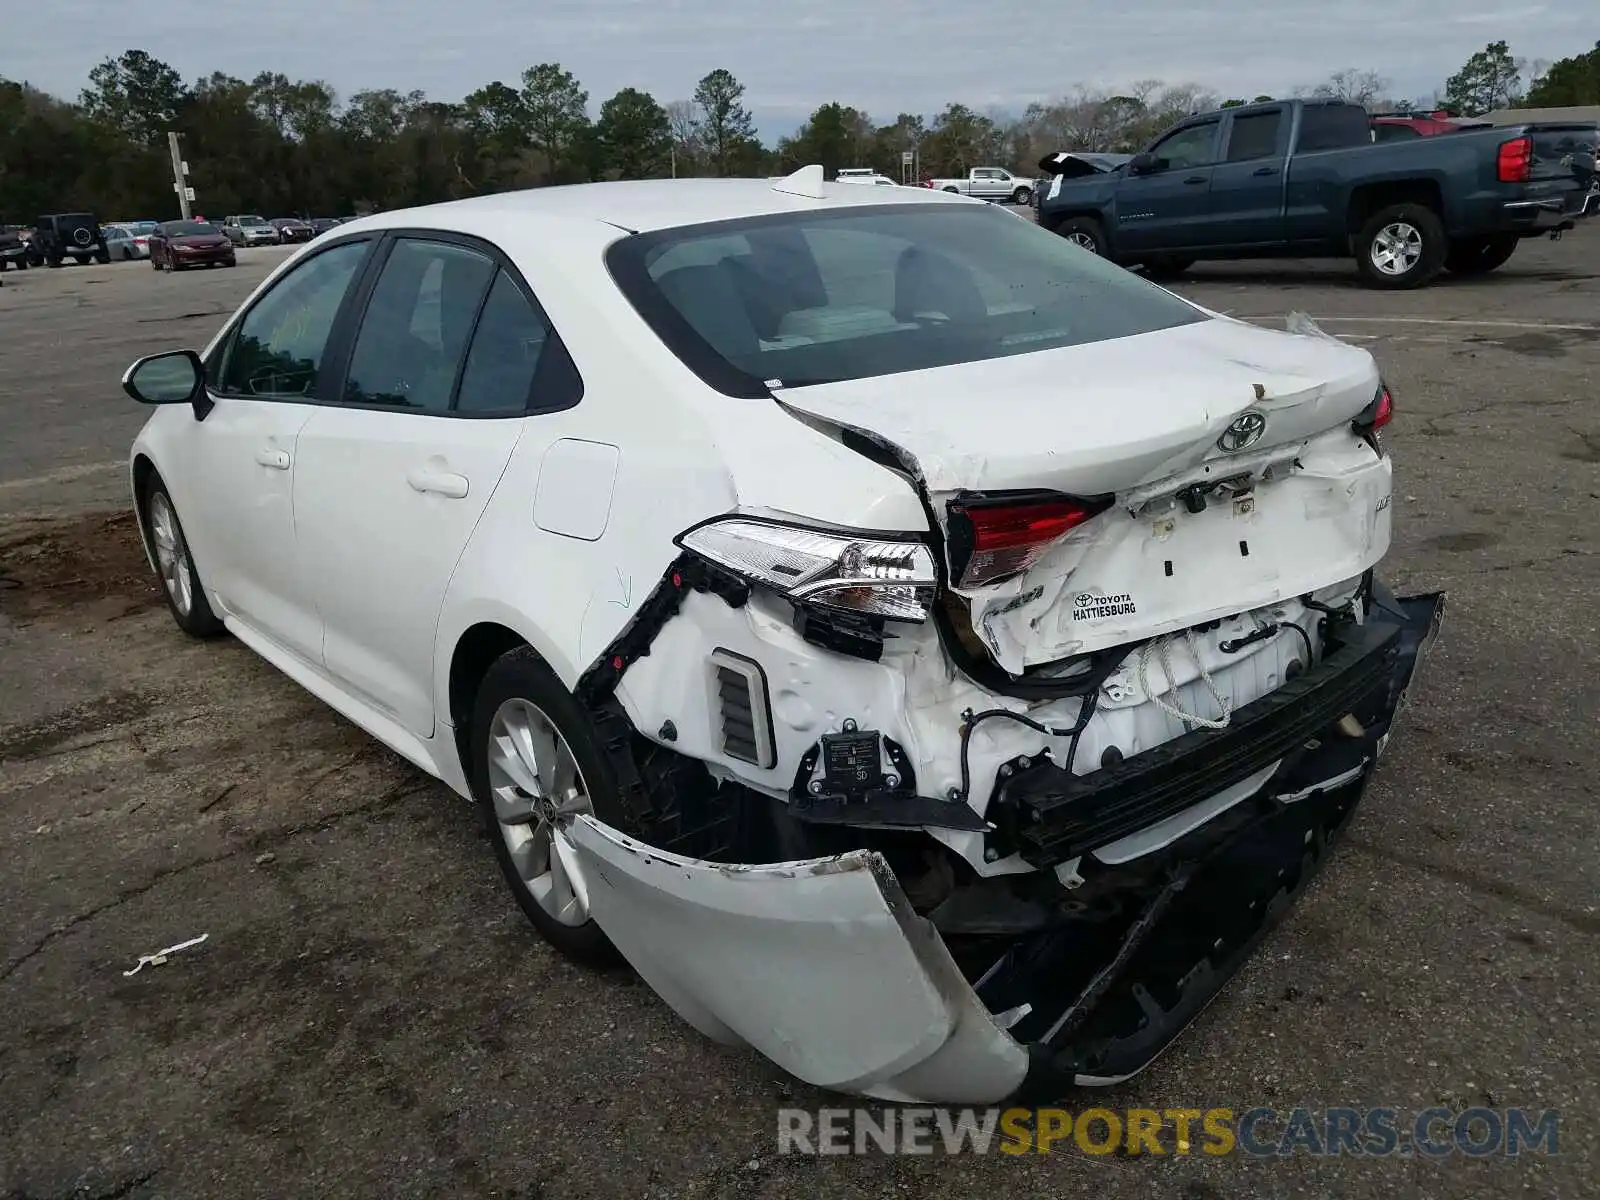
[
  {"x": 1166, "y": 209},
  {"x": 263, "y": 380},
  {"x": 393, "y": 479}
]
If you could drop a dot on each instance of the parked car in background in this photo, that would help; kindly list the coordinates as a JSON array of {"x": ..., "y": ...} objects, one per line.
[
  {"x": 972, "y": 751},
  {"x": 60, "y": 236},
  {"x": 988, "y": 183},
  {"x": 864, "y": 175},
  {"x": 321, "y": 225},
  {"x": 1303, "y": 178},
  {"x": 13, "y": 249},
  {"x": 250, "y": 230},
  {"x": 126, "y": 243},
  {"x": 1399, "y": 127},
  {"x": 292, "y": 229},
  {"x": 179, "y": 245}
]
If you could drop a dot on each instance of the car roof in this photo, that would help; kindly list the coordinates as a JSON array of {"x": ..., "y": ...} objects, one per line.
[{"x": 645, "y": 205}]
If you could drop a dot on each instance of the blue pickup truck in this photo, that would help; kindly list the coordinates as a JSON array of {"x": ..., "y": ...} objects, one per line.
[{"x": 1305, "y": 179}]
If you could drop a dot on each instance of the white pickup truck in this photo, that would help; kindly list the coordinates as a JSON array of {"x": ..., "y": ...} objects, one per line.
[{"x": 989, "y": 183}]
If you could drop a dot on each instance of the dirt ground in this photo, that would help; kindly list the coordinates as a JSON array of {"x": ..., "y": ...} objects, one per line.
[{"x": 370, "y": 1015}]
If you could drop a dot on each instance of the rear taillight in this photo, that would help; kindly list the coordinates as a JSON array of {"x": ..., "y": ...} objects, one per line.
[
  {"x": 995, "y": 537},
  {"x": 1375, "y": 416},
  {"x": 1515, "y": 161}
]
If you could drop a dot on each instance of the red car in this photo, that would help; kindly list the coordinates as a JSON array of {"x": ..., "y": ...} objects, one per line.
[
  {"x": 1391, "y": 127},
  {"x": 176, "y": 245}
]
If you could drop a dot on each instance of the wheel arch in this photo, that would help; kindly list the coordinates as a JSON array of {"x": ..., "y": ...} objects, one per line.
[
  {"x": 472, "y": 652},
  {"x": 1368, "y": 199}
]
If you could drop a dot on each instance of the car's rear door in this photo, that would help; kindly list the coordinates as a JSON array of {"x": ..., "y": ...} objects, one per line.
[
  {"x": 441, "y": 372},
  {"x": 1168, "y": 208},
  {"x": 1245, "y": 207}
]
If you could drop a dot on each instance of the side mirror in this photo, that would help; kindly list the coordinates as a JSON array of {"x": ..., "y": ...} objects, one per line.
[
  {"x": 175, "y": 377},
  {"x": 1144, "y": 164}
]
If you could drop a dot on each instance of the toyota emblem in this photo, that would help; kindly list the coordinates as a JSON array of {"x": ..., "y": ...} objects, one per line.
[{"x": 1246, "y": 430}]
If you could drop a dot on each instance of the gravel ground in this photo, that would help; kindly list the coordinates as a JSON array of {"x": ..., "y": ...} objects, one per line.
[{"x": 370, "y": 1015}]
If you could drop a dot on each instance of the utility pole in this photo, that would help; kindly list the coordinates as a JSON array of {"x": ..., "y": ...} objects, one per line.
[{"x": 180, "y": 175}]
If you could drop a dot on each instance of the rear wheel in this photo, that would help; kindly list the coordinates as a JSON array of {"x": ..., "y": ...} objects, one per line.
[
  {"x": 1402, "y": 246},
  {"x": 1022, "y": 196},
  {"x": 1084, "y": 232},
  {"x": 1479, "y": 256},
  {"x": 951, "y": 189},
  {"x": 180, "y": 582},
  {"x": 102, "y": 256},
  {"x": 536, "y": 763}
]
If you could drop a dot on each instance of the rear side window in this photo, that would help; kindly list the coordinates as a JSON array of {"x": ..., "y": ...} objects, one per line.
[
  {"x": 1393, "y": 133},
  {"x": 849, "y": 293},
  {"x": 414, "y": 332},
  {"x": 506, "y": 350},
  {"x": 1332, "y": 127},
  {"x": 1254, "y": 136}
]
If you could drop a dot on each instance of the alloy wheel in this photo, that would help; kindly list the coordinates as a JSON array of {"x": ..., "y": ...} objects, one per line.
[
  {"x": 1397, "y": 249},
  {"x": 172, "y": 556},
  {"x": 537, "y": 788}
]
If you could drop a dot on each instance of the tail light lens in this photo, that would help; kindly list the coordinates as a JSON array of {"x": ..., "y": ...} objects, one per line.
[
  {"x": 1515, "y": 161},
  {"x": 993, "y": 538},
  {"x": 1375, "y": 416},
  {"x": 866, "y": 574}
]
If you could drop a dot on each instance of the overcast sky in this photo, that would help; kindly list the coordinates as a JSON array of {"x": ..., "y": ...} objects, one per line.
[{"x": 885, "y": 56}]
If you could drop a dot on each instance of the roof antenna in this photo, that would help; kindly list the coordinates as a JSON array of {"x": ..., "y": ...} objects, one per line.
[{"x": 807, "y": 181}]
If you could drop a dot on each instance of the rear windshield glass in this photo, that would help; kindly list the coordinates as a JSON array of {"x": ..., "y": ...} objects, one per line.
[
  {"x": 848, "y": 293},
  {"x": 187, "y": 228}
]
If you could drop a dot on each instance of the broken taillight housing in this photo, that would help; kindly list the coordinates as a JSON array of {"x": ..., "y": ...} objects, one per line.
[
  {"x": 1375, "y": 416},
  {"x": 1514, "y": 164},
  {"x": 993, "y": 537},
  {"x": 870, "y": 574}
]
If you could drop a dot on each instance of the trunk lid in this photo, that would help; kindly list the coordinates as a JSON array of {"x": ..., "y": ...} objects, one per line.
[
  {"x": 1563, "y": 151},
  {"x": 1139, "y": 422}
]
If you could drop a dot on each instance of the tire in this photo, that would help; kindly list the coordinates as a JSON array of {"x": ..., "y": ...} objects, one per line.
[
  {"x": 1167, "y": 268},
  {"x": 1022, "y": 196},
  {"x": 154, "y": 265},
  {"x": 175, "y": 570},
  {"x": 1479, "y": 256},
  {"x": 952, "y": 190},
  {"x": 53, "y": 263},
  {"x": 81, "y": 259},
  {"x": 1408, "y": 239},
  {"x": 23, "y": 264},
  {"x": 520, "y": 686},
  {"x": 1085, "y": 232},
  {"x": 102, "y": 256}
]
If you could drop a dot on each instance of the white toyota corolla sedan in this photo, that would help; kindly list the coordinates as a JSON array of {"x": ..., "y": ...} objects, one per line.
[{"x": 928, "y": 653}]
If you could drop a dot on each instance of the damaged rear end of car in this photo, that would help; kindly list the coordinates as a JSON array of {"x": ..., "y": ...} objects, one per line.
[{"x": 994, "y": 805}]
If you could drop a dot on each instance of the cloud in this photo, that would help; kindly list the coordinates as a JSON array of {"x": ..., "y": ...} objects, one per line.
[{"x": 885, "y": 56}]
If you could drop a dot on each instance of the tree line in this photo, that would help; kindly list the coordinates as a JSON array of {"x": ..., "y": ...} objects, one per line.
[{"x": 279, "y": 146}]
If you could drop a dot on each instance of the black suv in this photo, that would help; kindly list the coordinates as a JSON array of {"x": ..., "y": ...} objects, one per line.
[
  {"x": 13, "y": 250},
  {"x": 68, "y": 235}
]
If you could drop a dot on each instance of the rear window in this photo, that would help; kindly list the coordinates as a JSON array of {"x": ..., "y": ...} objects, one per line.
[
  {"x": 849, "y": 293},
  {"x": 187, "y": 228},
  {"x": 1332, "y": 127}
]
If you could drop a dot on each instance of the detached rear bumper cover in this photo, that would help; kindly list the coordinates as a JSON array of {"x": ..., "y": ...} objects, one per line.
[{"x": 824, "y": 967}]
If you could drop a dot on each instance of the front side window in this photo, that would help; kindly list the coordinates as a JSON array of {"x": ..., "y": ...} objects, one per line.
[
  {"x": 850, "y": 293},
  {"x": 1191, "y": 147},
  {"x": 278, "y": 349},
  {"x": 415, "y": 329}
]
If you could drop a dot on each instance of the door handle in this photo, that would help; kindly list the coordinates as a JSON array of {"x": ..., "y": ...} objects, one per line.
[
  {"x": 278, "y": 460},
  {"x": 1265, "y": 171},
  {"x": 1195, "y": 179},
  {"x": 438, "y": 482}
]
